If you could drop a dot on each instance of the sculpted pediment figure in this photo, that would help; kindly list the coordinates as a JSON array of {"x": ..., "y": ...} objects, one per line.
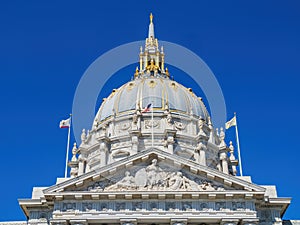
[
  {"x": 153, "y": 170},
  {"x": 152, "y": 177}
]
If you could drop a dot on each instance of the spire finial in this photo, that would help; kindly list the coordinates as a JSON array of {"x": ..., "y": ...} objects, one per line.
[
  {"x": 151, "y": 30},
  {"x": 151, "y": 17}
]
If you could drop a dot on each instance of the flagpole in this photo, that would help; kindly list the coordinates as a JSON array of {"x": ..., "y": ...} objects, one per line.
[
  {"x": 238, "y": 145},
  {"x": 152, "y": 133},
  {"x": 67, "y": 151}
]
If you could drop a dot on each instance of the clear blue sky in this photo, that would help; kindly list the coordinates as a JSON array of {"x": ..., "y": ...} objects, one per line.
[{"x": 252, "y": 47}]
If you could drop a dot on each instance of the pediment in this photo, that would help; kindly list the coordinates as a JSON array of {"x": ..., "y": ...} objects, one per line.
[{"x": 153, "y": 171}]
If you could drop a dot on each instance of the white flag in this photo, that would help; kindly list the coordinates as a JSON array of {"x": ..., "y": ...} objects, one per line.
[
  {"x": 230, "y": 123},
  {"x": 65, "y": 123}
]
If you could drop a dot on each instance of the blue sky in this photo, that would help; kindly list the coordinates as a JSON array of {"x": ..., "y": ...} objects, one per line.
[{"x": 251, "y": 46}]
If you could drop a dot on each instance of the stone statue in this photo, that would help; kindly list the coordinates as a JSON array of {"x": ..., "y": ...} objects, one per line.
[
  {"x": 177, "y": 181},
  {"x": 206, "y": 186},
  {"x": 83, "y": 136},
  {"x": 200, "y": 126},
  {"x": 74, "y": 152},
  {"x": 136, "y": 119},
  {"x": 231, "y": 157},
  {"x": 166, "y": 108},
  {"x": 153, "y": 176},
  {"x": 169, "y": 120},
  {"x": 222, "y": 137},
  {"x": 217, "y": 132},
  {"x": 127, "y": 182}
]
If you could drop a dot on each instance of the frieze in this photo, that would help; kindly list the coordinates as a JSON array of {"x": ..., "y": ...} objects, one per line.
[
  {"x": 68, "y": 207},
  {"x": 265, "y": 215},
  {"x": 169, "y": 206},
  {"x": 220, "y": 206},
  {"x": 87, "y": 206},
  {"x": 40, "y": 215},
  {"x": 238, "y": 206}
]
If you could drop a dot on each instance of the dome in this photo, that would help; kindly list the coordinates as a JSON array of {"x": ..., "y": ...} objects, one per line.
[
  {"x": 158, "y": 90},
  {"x": 179, "y": 122}
]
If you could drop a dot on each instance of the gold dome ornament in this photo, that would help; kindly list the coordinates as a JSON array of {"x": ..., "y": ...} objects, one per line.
[
  {"x": 167, "y": 72},
  {"x": 152, "y": 66},
  {"x": 136, "y": 72}
]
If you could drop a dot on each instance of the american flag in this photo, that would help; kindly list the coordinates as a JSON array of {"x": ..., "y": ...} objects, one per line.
[{"x": 147, "y": 108}]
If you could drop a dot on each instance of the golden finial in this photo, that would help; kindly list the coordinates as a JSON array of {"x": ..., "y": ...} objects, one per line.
[
  {"x": 151, "y": 17},
  {"x": 136, "y": 72},
  {"x": 167, "y": 72}
]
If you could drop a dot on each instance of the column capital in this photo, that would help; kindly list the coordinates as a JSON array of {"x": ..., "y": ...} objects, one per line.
[
  {"x": 78, "y": 222},
  {"x": 58, "y": 222},
  {"x": 253, "y": 221},
  {"x": 128, "y": 221},
  {"x": 229, "y": 221},
  {"x": 178, "y": 221}
]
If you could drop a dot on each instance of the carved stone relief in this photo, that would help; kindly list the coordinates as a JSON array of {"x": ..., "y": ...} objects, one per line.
[
  {"x": 153, "y": 206},
  {"x": 179, "y": 125},
  {"x": 170, "y": 206},
  {"x": 187, "y": 206},
  {"x": 120, "y": 206},
  {"x": 104, "y": 207},
  {"x": 153, "y": 177},
  {"x": 125, "y": 126},
  {"x": 265, "y": 216},
  {"x": 220, "y": 206},
  {"x": 204, "y": 206},
  {"x": 139, "y": 206},
  {"x": 68, "y": 207},
  {"x": 41, "y": 216},
  {"x": 148, "y": 124},
  {"x": 238, "y": 206},
  {"x": 87, "y": 206}
]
